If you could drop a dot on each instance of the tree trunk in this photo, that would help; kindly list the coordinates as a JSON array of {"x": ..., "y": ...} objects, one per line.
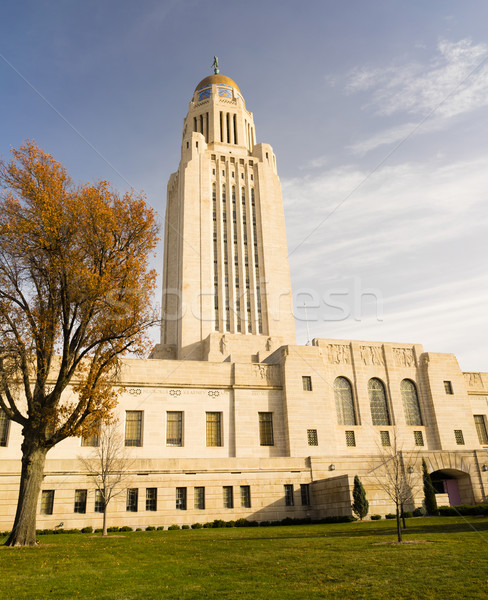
[
  {"x": 104, "y": 530},
  {"x": 399, "y": 527},
  {"x": 24, "y": 528}
]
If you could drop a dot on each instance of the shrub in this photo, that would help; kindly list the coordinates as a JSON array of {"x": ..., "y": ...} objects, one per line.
[
  {"x": 197, "y": 526},
  {"x": 88, "y": 529},
  {"x": 241, "y": 523},
  {"x": 160, "y": 528},
  {"x": 407, "y": 514},
  {"x": 98, "y": 530},
  {"x": 125, "y": 528},
  {"x": 208, "y": 525},
  {"x": 429, "y": 492},
  {"x": 173, "y": 527},
  {"x": 375, "y": 517},
  {"x": 464, "y": 509},
  {"x": 185, "y": 527},
  {"x": 418, "y": 512},
  {"x": 218, "y": 523},
  {"x": 360, "y": 505},
  {"x": 390, "y": 516},
  {"x": 150, "y": 528},
  {"x": 230, "y": 523},
  {"x": 265, "y": 523},
  {"x": 114, "y": 529},
  {"x": 138, "y": 529}
]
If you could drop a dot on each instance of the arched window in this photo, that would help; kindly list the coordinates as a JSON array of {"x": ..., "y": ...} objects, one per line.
[
  {"x": 411, "y": 404},
  {"x": 346, "y": 415},
  {"x": 377, "y": 401}
]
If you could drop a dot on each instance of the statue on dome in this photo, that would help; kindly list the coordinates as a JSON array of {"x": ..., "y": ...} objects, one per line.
[{"x": 215, "y": 65}]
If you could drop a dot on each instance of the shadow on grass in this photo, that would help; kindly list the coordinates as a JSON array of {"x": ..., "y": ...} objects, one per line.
[{"x": 319, "y": 531}]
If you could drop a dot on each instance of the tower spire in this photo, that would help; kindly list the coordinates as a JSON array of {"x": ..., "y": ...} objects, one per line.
[{"x": 215, "y": 65}]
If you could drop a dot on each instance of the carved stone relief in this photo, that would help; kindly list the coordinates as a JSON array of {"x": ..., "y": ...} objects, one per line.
[
  {"x": 339, "y": 354},
  {"x": 473, "y": 380},
  {"x": 404, "y": 357},
  {"x": 372, "y": 355}
]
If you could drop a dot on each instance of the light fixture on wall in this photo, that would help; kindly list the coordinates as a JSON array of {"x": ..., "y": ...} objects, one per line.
[
  {"x": 332, "y": 468},
  {"x": 484, "y": 468}
]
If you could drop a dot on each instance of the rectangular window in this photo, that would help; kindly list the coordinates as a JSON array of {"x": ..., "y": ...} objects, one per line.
[
  {"x": 4, "y": 428},
  {"x": 266, "y": 429},
  {"x": 133, "y": 428},
  {"x": 289, "y": 500},
  {"x": 151, "y": 498},
  {"x": 99, "y": 504},
  {"x": 93, "y": 437},
  {"x": 307, "y": 383},
  {"x": 448, "y": 387},
  {"x": 214, "y": 429},
  {"x": 479, "y": 421},
  {"x": 312, "y": 437},
  {"x": 181, "y": 498},
  {"x": 459, "y": 437},
  {"x": 174, "y": 428},
  {"x": 385, "y": 438},
  {"x": 90, "y": 440},
  {"x": 80, "y": 501},
  {"x": 228, "y": 496},
  {"x": 350, "y": 438},
  {"x": 246, "y": 496},
  {"x": 418, "y": 436},
  {"x": 47, "y": 502},
  {"x": 199, "y": 498},
  {"x": 305, "y": 493},
  {"x": 132, "y": 500}
]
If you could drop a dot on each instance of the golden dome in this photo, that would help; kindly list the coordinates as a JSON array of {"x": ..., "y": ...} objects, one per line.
[{"x": 214, "y": 79}]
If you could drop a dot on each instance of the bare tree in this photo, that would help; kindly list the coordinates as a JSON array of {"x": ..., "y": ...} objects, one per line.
[
  {"x": 397, "y": 476},
  {"x": 108, "y": 465}
]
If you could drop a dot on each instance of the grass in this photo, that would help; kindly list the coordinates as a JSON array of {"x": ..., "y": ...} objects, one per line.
[{"x": 308, "y": 561}]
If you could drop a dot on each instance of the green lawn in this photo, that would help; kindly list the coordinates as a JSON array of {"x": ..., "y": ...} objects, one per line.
[{"x": 308, "y": 561}]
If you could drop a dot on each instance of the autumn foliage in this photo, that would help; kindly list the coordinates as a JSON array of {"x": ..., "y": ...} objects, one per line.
[{"x": 75, "y": 296}]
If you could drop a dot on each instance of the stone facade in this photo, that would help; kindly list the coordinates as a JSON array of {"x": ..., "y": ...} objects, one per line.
[{"x": 292, "y": 425}]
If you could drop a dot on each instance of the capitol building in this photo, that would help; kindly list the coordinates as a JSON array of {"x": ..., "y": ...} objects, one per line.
[{"x": 229, "y": 418}]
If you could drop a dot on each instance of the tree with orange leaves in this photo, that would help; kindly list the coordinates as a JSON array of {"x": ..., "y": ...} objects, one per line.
[{"x": 75, "y": 296}]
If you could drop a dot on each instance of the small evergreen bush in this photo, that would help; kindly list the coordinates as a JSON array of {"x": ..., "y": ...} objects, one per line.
[
  {"x": 375, "y": 517},
  {"x": 173, "y": 527},
  {"x": 88, "y": 529},
  {"x": 360, "y": 505},
  {"x": 429, "y": 492},
  {"x": 150, "y": 528},
  {"x": 418, "y": 512},
  {"x": 390, "y": 516},
  {"x": 185, "y": 527},
  {"x": 197, "y": 526},
  {"x": 125, "y": 528}
]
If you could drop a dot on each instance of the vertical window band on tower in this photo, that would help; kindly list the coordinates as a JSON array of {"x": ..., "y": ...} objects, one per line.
[
  {"x": 226, "y": 258},
  {"x": 215, "y": 257},
  {"x": 247, "y": 291},
  {"x": 256, "y": 263},
  {"x": 237, "y": 304}
]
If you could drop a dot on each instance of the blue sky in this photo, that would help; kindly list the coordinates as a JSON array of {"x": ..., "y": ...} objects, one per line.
[{"x": 377, "y": 112}]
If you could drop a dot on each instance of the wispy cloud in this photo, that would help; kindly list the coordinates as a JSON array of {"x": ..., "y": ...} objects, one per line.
[
  {"x": 454, "y": 82},
  {"x": 403, "y": 233}
]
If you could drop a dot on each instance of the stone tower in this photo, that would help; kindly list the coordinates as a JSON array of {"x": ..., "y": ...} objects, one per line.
[{"x": 226, "y": 280}]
